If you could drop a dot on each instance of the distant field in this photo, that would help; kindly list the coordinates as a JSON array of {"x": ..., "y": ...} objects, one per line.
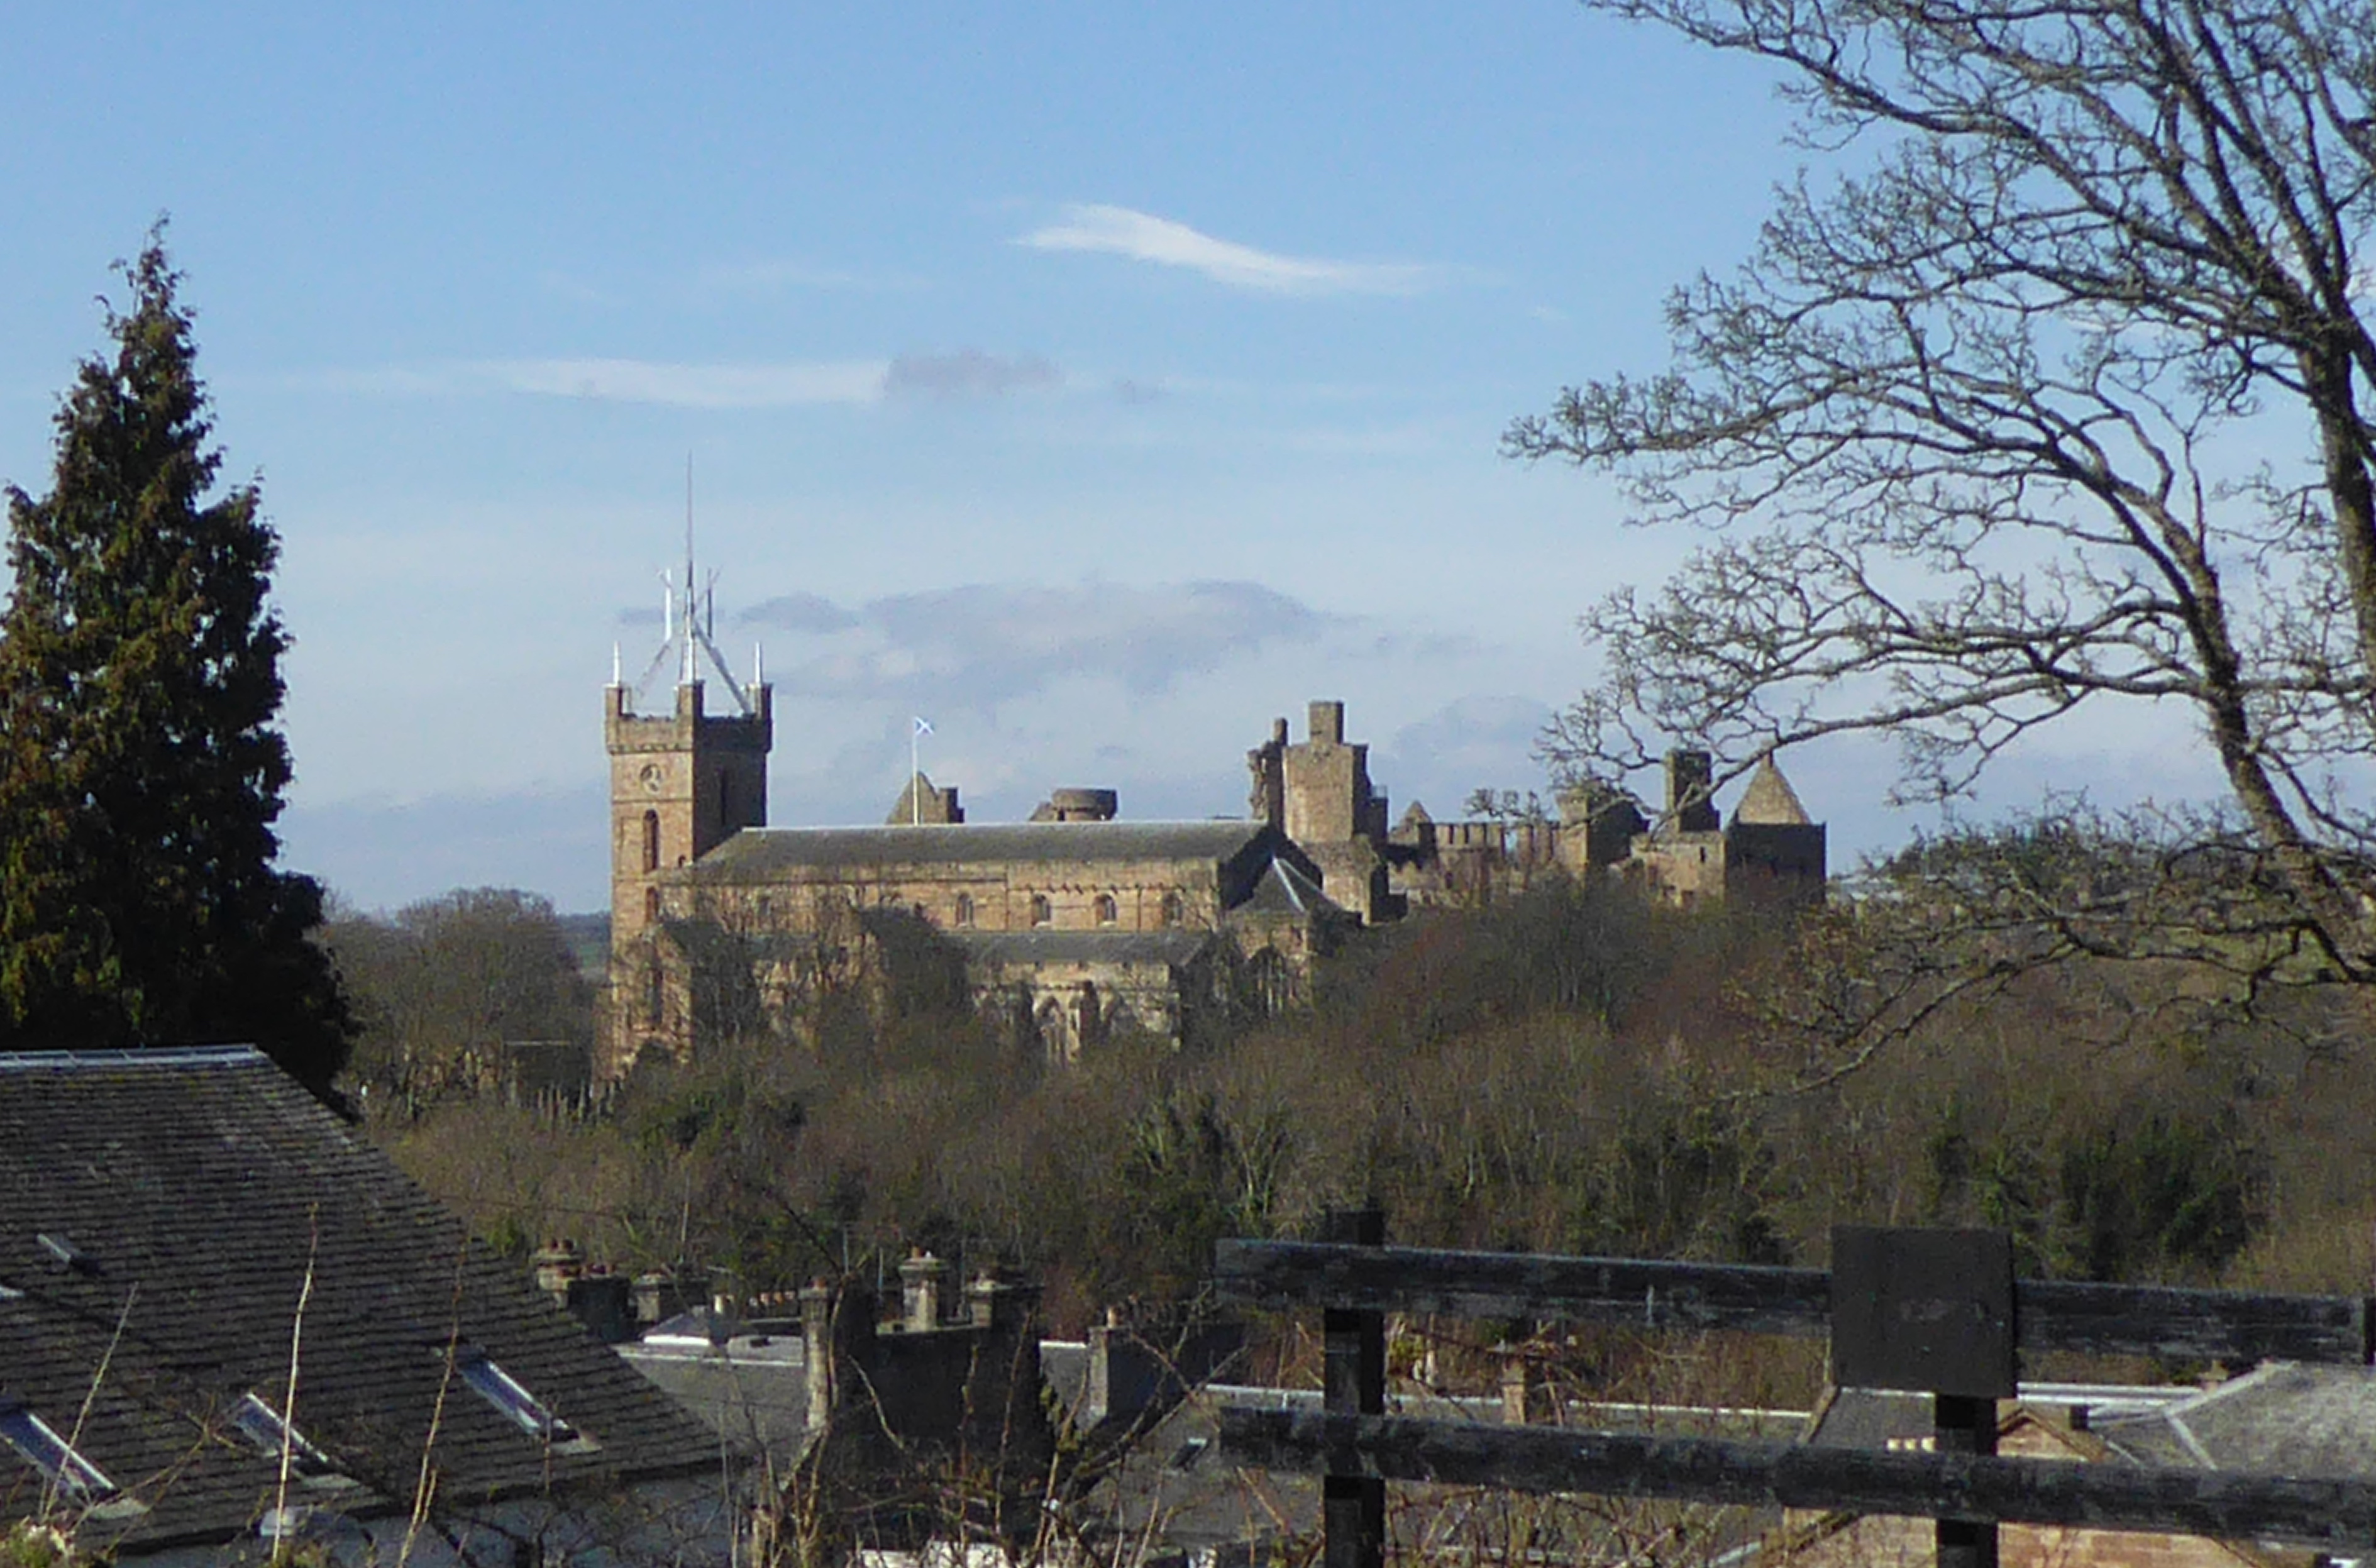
[{"x": 589, "y": 943}]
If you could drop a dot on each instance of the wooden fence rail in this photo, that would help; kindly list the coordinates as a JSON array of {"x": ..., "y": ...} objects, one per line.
[
  {"x": 2325, "y": 1513},
  {"x": 1917, "y": 1312},
  {"x": 2233, "y": 1327}
]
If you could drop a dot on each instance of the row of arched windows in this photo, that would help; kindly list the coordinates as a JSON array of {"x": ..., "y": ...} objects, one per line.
[{"x": 1104, "y": 910}]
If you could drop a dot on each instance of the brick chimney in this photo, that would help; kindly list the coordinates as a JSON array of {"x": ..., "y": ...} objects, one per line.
[{"x": 555, "y": 1264}]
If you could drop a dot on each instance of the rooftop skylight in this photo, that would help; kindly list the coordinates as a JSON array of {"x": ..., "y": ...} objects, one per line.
[
  {"x": 62, "y": 1248},
  {"x": 39, "y": 1446},
  {"x": 261, "y": 1425},
  {"x": 514, "y": 1402}
]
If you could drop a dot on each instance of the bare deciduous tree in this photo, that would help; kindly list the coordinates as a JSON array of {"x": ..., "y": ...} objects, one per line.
[{"x": 2061, "y": 402}]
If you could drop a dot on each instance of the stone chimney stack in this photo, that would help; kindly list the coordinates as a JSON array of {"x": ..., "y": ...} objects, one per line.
[
  {"x": 992, "y": 1302},
  {"x": 816, "y": 1343},
  {"x": 1691, "y": 804},
  {"x": 919, "y": 1292},
  {"x": 1327, "y": 723},
  {"x": 555, "y": 1264}
]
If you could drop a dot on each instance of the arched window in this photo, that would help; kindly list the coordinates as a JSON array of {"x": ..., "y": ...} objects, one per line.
[
  {"x": 651, "y": 905},
  {"x": 1055, "y": 1038},
  {"x": 651, "y": 840},
  {"x": 1105, "y": 913},
  {"x": 964, "y": 915},
  {"x": 766, "y": 909},
  {"x": 1172, "y": 911},
  {"x": 1270, "y": 982},
  {"x": 655, "y": 993},
  {"x": 1039, "y": 911}
]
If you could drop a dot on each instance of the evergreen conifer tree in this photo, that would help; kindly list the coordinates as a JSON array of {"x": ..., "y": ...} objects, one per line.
[{"x": 141, "y": 770}]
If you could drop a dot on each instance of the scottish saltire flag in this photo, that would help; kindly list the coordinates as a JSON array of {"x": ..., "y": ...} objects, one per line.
[{"x": 924, "y": 726}]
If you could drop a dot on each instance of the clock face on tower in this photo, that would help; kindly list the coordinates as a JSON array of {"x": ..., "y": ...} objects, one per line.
[{"x": 652, "y": 776}]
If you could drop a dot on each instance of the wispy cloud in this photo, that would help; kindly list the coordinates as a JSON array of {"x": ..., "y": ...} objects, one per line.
[
  {"x": 991, "y": 642},
  {"x": 964, "y": 374},
  {"x": 1142, "y": 236},
  {"x": 764, "y": 386},
  {"x": 968, "y": 372},
  {"x": 693, "y": 385}
]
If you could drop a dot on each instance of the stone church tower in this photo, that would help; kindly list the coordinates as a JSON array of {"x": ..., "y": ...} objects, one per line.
[{"x": 680, "y": 785}]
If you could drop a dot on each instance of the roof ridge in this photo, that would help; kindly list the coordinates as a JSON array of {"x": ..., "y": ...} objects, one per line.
[
  {"x": 1249, "y": 824},
  {"x": 157, "y": 1056}
]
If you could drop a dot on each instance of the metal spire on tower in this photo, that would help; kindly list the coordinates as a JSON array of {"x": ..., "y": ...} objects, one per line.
[{"x": 688, "y": 618}]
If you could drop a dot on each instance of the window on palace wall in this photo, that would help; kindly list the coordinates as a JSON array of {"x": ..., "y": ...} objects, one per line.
[
  {"x": 651, "y": 905},
  {"x": 654, "y": 993},
  {"x": 1039, "y": 908},
  {"x": 1173, "y": 913},
  {"x": 964, "y": 915},
  {"x": 1105, "y": 913},
  {"x": 651, "y": 840}
]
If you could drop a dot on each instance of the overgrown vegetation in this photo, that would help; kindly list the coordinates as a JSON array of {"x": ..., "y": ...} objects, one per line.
[{"x": 1571, "y": 1070}]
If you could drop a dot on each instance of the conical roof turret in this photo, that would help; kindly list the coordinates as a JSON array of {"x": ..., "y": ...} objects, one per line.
[{"x": 1769, "y": 800}]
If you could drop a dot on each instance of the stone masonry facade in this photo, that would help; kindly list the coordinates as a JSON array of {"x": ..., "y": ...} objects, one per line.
[{"x": 1077, "y": 925}]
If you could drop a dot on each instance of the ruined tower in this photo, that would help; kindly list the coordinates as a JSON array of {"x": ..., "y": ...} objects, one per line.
[{"x": 1318, "y": 792}]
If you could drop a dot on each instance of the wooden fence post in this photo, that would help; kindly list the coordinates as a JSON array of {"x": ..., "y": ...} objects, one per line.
[
  {"x": 1931, "y": 1311},
  {"x": 1964, "y": 1425},
  {"x": 1353, "y": 1383}
]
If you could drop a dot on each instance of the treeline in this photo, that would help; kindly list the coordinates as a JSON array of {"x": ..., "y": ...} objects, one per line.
[
  {"x": 438, "y": 987},
  {"x": 1571, "y": 1070}
]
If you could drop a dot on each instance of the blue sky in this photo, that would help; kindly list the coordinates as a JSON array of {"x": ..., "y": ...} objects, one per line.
[{"x": 1096, "y": 381}]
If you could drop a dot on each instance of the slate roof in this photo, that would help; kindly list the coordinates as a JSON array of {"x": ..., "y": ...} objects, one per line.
[
  {"x": 2283, "y": 1419},
  {"x": 758, "y": 852},
  {"x": 1284, "y": 890},
  {"x": 192, "y": 1185},
  {"x": 752, "y": 1393},
  {"x": 1046, "y": 947}
]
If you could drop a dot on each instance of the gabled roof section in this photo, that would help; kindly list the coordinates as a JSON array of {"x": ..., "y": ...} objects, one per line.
[
  {"x": 1769, "y": 802},
  {"x": 2283, "y": 1419},
  {"x": 1284, "y": 890},
  {"x": 758, "y": 853},
  {"x": 200, "y": 1187}
]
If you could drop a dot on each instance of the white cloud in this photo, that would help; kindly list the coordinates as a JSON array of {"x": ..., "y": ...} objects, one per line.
[
  {"x": 963, "y": 375},
  {"x": 1142, "y": 236},
  {"x": 693, "y": 385},
  {"x": 784, "y": 384},
  {"x": 967, "y": 373},
  {"x": 986, "y": 644}
]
